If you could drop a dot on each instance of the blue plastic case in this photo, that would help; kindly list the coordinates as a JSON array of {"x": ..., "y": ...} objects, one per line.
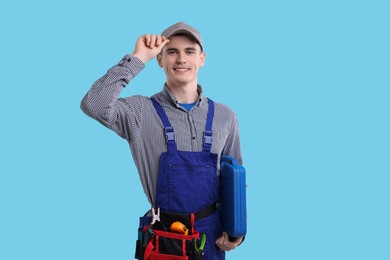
[{"x": 232, "y": 197}]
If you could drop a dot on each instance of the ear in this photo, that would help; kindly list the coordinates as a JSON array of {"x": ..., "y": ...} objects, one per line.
[
  {"x": 202, "y": 59},
  {"x": 159, "y": 59}
]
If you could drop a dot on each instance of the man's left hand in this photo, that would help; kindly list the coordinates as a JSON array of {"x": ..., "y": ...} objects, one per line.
[{"x": 224, "y": 244}]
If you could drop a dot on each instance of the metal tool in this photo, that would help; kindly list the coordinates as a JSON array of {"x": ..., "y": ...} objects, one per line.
[{"x": 155, "y": 216}]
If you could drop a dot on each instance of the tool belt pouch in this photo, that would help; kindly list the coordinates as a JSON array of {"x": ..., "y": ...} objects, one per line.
[
  {"x": 157, "y": 241},
  {"x": 144, "y": 237}
]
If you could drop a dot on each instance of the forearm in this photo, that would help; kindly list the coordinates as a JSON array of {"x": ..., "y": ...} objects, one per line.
[{"x": 101, "y": 100}]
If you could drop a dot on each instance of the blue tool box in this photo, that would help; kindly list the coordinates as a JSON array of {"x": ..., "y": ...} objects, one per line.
[{"x": 232, "y": 197}]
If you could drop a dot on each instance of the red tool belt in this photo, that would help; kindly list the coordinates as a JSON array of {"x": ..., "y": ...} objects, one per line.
[{"x": 156, "y": 240}]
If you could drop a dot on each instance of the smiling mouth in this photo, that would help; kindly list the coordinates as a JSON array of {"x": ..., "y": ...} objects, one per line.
[{"x": 181, "y": 69}]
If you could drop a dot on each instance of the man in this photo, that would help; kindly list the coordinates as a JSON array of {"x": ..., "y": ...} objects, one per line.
[{"x": 176, "y": 137}]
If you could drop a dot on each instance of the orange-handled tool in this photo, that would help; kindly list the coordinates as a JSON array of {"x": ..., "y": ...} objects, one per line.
[{"x": 179, "y": 228}]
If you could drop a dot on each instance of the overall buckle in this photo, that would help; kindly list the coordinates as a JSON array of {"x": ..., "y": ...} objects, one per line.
[
  {"x": 169, "y": 134},
  {"x": 207, "y": 137}
]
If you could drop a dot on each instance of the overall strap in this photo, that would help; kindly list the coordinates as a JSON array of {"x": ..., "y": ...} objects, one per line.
[
  {"x": 208, "y": 133},
  {"x": 169, "y": 132}
]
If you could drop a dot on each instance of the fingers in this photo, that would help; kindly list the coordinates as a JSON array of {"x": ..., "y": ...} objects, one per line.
[
  {"x": 164, "y": 41},
  {"x": 154, "y": 40},
  {"x": 148, "y": 46},
  {"x": 146, "y": 39},
  {"x": 224, "y": 244}
]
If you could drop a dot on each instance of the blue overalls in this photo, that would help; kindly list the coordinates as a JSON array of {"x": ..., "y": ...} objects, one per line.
[{"x": 187, "y": 181}]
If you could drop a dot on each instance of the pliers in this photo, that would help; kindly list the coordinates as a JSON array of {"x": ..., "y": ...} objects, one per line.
[{"x": 202, "y": 243}]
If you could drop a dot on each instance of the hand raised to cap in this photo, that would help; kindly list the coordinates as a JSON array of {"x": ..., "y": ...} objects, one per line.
[{"x": 148, "y": 46}]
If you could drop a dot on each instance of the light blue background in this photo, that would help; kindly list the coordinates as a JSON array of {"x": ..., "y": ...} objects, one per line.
[{"x": 309, "y": 81}]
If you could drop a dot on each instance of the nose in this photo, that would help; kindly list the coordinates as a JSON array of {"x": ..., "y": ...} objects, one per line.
[{"x": 181, "y": 57}]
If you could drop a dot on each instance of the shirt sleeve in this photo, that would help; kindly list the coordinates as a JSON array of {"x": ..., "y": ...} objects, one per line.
[
  {"x": 232, "y": 146},
  {"x": 103, "y": 104}
]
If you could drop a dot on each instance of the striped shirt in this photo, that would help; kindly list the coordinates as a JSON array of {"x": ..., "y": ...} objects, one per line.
[{"x": 135, "y": 119}]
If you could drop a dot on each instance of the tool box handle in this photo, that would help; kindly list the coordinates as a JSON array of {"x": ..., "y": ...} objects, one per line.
[{"x": 230, "y": 160}]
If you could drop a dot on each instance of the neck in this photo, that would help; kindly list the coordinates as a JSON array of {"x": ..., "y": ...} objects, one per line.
[{"x": 184, "y": 94}]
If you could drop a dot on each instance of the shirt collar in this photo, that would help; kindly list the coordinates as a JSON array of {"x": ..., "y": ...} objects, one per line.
[{"x": 171, "y": 98}]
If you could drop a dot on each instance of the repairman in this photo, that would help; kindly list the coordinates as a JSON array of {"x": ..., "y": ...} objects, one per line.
[{"x": 178, "y": 135}]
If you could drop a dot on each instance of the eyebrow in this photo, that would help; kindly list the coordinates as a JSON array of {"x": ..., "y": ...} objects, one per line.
[{"x": 187, "y": 49}]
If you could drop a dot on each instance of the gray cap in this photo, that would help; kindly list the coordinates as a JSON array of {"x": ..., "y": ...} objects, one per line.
[{"x": 183, "y": 28}]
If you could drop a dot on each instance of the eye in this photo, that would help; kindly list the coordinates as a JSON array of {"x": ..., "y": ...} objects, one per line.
[{"x": 171, "y": 52}]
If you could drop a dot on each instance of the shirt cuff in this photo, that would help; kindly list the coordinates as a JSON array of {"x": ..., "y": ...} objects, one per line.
[{"x": 134, "y": 64}]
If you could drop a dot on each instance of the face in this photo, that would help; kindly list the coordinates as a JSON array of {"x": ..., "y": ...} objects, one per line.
[{"x": 181, "y": 59}]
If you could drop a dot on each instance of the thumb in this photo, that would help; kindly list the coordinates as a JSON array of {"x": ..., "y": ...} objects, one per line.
[{"x": 164, "y": 42}]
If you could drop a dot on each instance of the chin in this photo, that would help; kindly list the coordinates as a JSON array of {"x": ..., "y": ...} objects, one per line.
[{"x": 182, "y": 81}]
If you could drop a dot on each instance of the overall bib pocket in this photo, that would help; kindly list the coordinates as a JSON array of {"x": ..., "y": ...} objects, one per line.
[{"x": 187, "y": 187}]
